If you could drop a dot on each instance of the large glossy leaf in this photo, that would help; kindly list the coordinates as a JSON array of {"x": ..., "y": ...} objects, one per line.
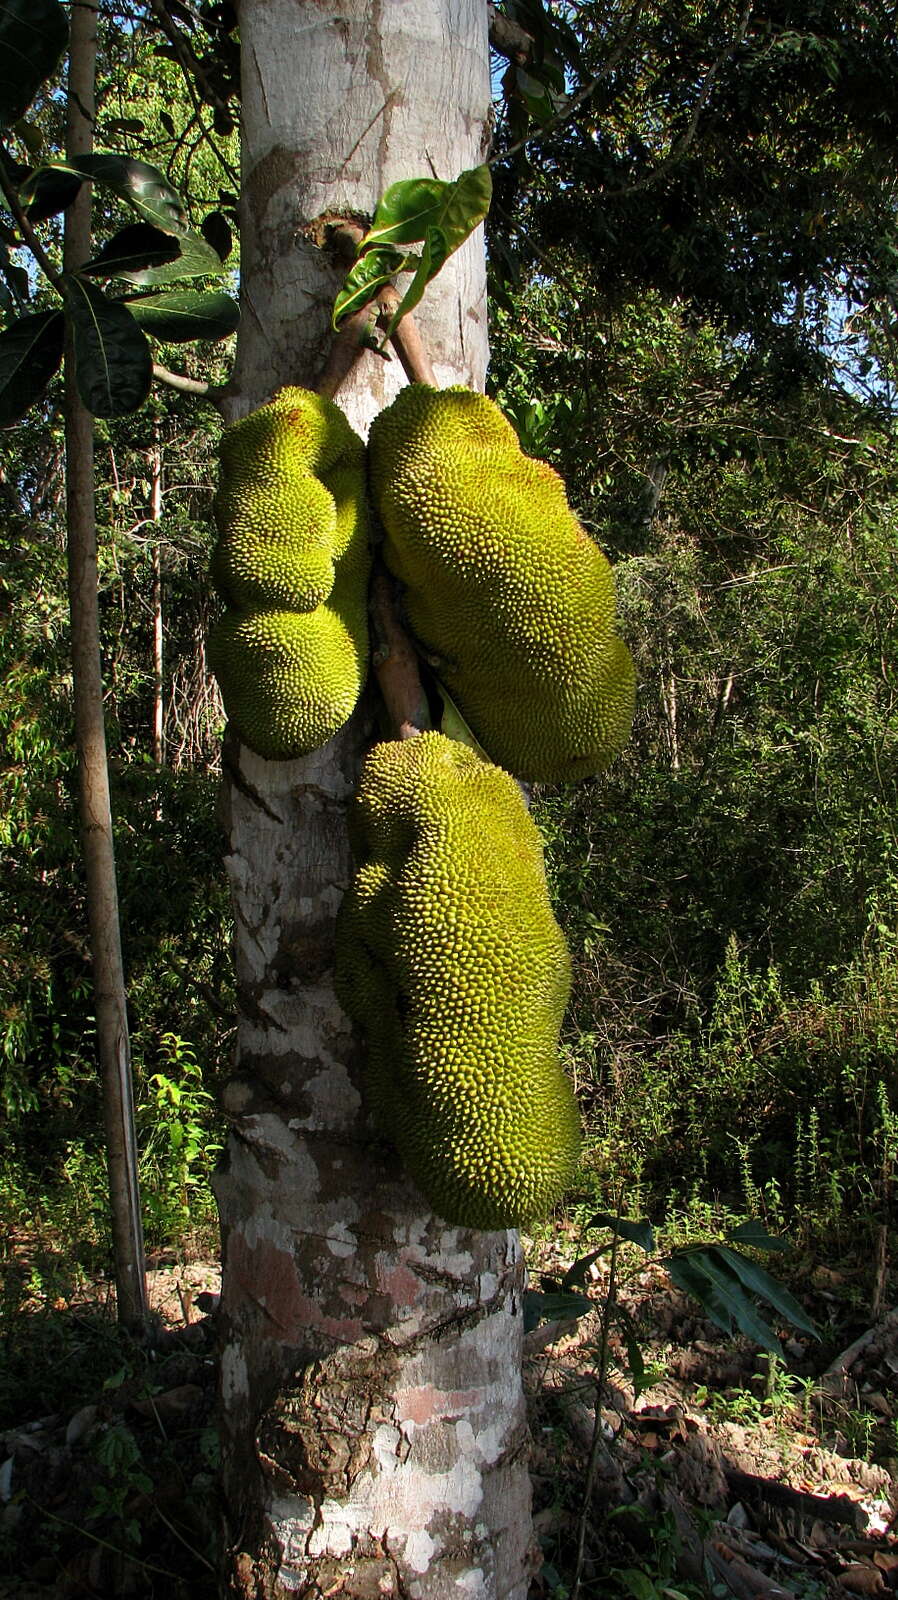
[
  {"x": 131, "y": 252},
  {"x": 48, "y": 191},
  {"x": 439, "y": 215},
  {"x": 634, "y": 1232},
  {"x": 555, "y": 1306},
  {"x": 33, "y": 35},
  {"x": 113, "y": 364},
  {"x": 411, "y": 209},
  {"x": 30, "y": 353},
  {"x": 187, "y": 314},
  {"x": 366, "y": 278},
  {"x": 147, "y": 191}
]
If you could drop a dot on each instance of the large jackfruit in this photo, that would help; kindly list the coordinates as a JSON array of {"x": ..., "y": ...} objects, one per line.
[
  {"x": 291, "y": 651},
  {"x": 449, "y": 957},
  {"x": 504, "y": 589}
]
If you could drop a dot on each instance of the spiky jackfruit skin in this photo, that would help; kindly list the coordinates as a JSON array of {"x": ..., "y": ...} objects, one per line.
[
  {"x": 503, "y": 587},
  {"x": 278, "y": 520},
  {"x": 292, "y": 561},
  {"x": 449, "y": 957}
]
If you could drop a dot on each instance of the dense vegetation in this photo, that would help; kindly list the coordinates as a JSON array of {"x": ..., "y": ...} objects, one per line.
[
  {"x": 692, "y": 250},
  {"x": 729, "y": 889}
]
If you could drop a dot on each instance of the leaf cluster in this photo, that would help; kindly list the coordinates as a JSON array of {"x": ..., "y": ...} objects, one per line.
[
  {"x": 113, "y": 359},
  {"x": 733, "y": 158},
  {"x": 726, "y": 1282}
]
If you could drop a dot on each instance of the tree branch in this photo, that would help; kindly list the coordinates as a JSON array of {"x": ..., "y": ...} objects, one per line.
[
  {"x": 567, "y": 111},
  {"x": 344, "y": 351},
  {"x": 405, "y": 339},
  {"x": 179, "y": 380},
  {"x": 395, "y": 661},
  {"x": 681, "y": 145},
  {"x": 508, "y": 38}
]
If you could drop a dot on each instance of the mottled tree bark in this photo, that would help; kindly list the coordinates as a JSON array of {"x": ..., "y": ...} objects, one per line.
[{"x": 374, "y": 1433}]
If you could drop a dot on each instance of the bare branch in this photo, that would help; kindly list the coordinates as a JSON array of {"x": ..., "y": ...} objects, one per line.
[
  {"x": 406, "y": 339},
  {"x": 395, "y": 661},
  {"x": 212, "y": 392}
]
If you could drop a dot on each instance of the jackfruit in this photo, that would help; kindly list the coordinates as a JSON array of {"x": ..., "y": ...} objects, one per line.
[
  {"x": 449, "y": 957},
  {"x": 504, "y": 590},
  {"x": 292, "y": 560}
]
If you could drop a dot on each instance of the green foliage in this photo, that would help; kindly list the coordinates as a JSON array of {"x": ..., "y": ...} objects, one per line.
[
  {"x": 726, "y": 1283},
  {"x": 436, "y": 214},
  {"x": 113, "y": 362},
  {"x": 33, "y": 35},
  {"x": 738, "y": 162},
  {"x": 174, "y": 903},
  {"x": 729, "y": 890}
]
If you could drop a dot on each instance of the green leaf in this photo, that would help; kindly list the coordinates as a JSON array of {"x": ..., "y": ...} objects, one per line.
[
  {"x": 637, "y": 1364},
  {"x": 433, "y": 254},
  {"x": 440, "y": 215},
  {"x": 147, "y": 191},
  {"x": 216, "y": 232},
  {"x": 30, "y": 353},
  {"x": 555, "y": 1307},
  {"x": 756, "y": 1237},
  {"x": 721, "y": 1295},
  {"x": 33, "y": 35},
  {"x": 186, "y": 314},
  {"x": 47, "y": 192},
  {"x": 577, "y": 1273},
  {"x": 762, "y": 1284},
  {"x": 634, "y": 1232},
  {"x": 413, "y": 208},
  {"x": 637, "y": 1583},
  {"x": 365, "y": 278},
  {"x": 454, "y": 726},
  {"x": 131, "y": 251},
  {"x": 113, "y": 364}
]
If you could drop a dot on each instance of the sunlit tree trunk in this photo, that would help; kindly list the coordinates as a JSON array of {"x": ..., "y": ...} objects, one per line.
[
  {"x": 93, "y": 775},
  {"x": 374, "y": 1434}
]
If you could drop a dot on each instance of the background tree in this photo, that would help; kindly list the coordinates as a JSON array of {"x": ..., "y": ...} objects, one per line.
[{"x": 373, "y": 1411}]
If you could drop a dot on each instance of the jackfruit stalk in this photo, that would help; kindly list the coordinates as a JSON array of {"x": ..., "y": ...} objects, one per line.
[
  {"x": 504, "y": 590},
  {"x": 449, "y": 957},
  {"x": 292, "y": 560}
]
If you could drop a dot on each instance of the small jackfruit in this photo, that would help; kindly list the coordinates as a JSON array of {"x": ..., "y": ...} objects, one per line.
[
  {"x": 292, "y": 560},
  {"x": 448, "y": 955},
  {"x": 504, "y": 590}
]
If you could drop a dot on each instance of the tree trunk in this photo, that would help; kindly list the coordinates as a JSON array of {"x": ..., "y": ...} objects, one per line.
[
  {"x": 156, "y": 515},
  {"x": 374, "y": 1435},
  {"x": 90, "y": 735}
]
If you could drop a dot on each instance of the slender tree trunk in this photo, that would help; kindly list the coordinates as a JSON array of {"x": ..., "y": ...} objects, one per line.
[
  {"x": 374, "y": 1435},
  {"x": 90, "y": 735},
  {"x": 156, "y": 514}
]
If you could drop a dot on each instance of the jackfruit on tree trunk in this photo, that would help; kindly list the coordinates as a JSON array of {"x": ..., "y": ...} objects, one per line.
[
  {"x": 450, "y": 959},
  {"x": 292, "y": 561},
  {"x": 504, "y": 590}
]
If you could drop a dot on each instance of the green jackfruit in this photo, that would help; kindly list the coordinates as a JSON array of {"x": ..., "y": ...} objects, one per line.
[
  {"x": 292, "y": 560},
  {"x": 504, "y": 590},
  {"x": 449, "y": 957}
]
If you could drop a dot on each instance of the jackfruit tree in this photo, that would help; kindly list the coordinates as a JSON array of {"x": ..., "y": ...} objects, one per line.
[{"x": 373, "y": 1418}]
